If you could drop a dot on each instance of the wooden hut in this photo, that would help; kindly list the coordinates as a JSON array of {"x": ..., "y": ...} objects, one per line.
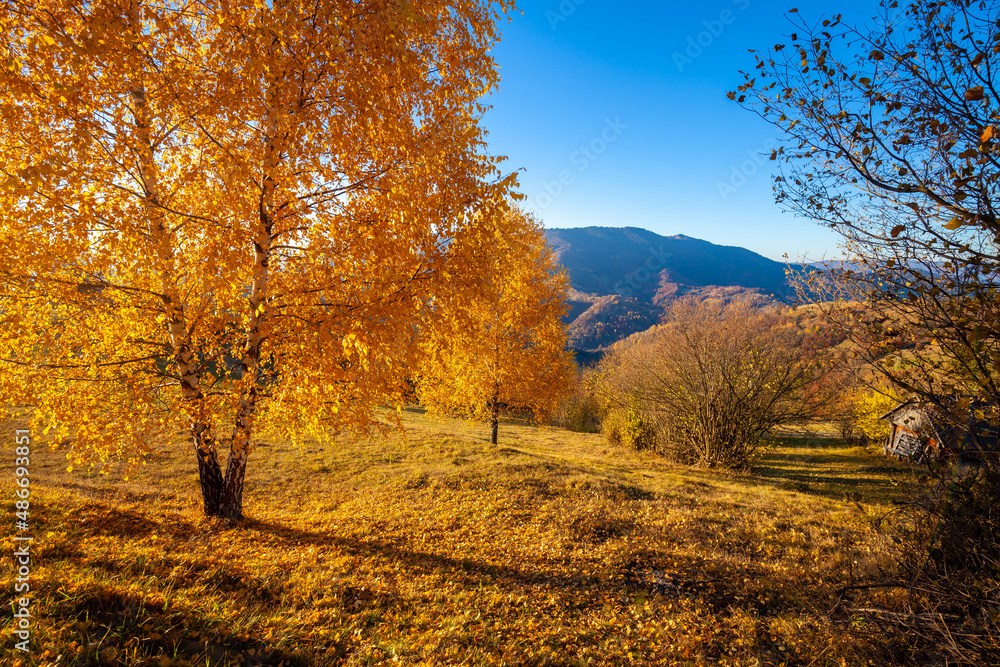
[
  {"x": 920, "y": 431},
  {"x": 912, "y": 431}
]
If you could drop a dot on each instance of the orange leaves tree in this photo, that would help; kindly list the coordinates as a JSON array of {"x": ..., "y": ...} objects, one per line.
[
  {"x": 502, "y": 349},
  {"x": 228, "y": 218}
]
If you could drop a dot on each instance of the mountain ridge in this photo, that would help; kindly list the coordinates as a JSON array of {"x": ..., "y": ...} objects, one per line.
[{"x": 624, "y": 277}]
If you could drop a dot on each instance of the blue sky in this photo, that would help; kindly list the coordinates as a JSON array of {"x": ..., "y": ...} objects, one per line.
[{"x": 616, "y": 112}]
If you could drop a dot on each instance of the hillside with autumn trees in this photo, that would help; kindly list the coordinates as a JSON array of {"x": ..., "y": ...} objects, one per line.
[{"x": 624, "y": 278}]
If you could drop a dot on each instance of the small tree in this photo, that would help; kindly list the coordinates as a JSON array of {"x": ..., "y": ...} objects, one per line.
[
  {"x": 714, "y": 379},
  {"x": 503, "y": 350}
]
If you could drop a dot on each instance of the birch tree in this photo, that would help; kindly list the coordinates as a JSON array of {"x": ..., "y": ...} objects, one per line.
[
  {"x": 229, "y": 217},
  {"x": 503, "y": 349}
]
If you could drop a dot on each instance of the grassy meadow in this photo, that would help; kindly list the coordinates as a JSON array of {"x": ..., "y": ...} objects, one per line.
[{"x": 552, "y": 548}]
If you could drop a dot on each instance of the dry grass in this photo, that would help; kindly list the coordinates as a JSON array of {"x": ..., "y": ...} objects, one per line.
[{"x": 550, "y": 549}]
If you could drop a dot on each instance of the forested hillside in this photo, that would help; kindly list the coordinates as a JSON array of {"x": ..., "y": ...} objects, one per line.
[{"x": 623, "y": 277}]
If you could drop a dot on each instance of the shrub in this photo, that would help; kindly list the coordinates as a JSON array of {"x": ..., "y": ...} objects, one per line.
[
  {"x": 868, "y": 406},
  {"x": 580, "y": 411},
  {"x": 712, "y": 381},
  {"x": 626, "y": 426},
  {"x": 849, "y": 432}
]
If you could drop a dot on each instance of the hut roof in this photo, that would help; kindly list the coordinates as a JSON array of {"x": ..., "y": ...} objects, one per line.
[{"x": 899, "y": 407}]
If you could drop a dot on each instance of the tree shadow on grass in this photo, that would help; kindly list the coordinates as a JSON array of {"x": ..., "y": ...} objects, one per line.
[
  {"x": 130, "y": 523},
  {"x": 103, "y": 491},
  {"x": 122, "y": 616},
  {"x": 472, "y": 573},
  {"x": 418, "y": 562},
  {"x": 825, "y": 467},
  {"x": 109, "y": 624},
  {"x": 833, "y": 487}
]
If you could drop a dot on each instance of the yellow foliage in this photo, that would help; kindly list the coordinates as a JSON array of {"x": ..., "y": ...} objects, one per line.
[
  {"x": 499, "y": 344},
  {"x": 868, "y": 406},
  {"x": 209, "y": 214},
  {"x": 627, "y": 427}
]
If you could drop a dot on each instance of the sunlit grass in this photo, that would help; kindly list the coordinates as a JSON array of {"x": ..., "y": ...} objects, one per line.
[{"x": 439, "y": 548}]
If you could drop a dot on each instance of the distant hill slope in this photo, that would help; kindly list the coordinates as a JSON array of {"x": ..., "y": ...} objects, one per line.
[
  {"x": 613, "y": 260},
  {"x": 611, "y": 318},
  {"x": 624, "y": 276}
]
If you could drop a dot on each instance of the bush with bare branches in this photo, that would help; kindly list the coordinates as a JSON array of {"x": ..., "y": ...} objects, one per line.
[
  {"x": 580, "y": 410},
  {"x": 713, "y": 379}
]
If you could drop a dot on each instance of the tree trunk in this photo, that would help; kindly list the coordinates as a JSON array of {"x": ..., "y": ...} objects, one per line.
[
  {"x": 239, "y": 450},
  {"x": 251, "y": 377},
  {"x": 209, "y": 472},
  {"x": 494, "y": 418},
  {"x": 232, "y": 490},
  {"x": 185, "y": 361}
]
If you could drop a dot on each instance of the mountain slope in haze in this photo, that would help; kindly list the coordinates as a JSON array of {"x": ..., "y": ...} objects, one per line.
[
  {"x": 623, "y": 277},
  {"x": 637, "y": 262}
]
